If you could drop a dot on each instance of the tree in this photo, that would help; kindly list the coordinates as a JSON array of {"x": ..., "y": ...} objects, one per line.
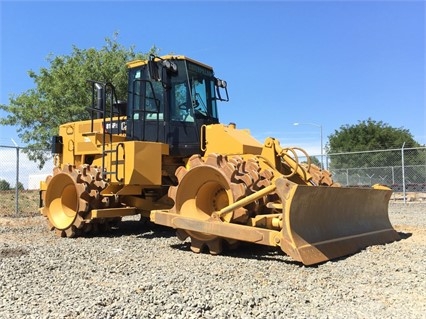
[
  {"x": 62, "y": 94},
  {"x": 314, "y": 160},
  {"x": 4, "y": 185},
  {"x": 21, "y": 186},
  {"x": 367, "y": 135}
]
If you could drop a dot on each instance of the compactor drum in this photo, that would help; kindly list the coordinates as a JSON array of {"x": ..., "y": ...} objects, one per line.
[
  {"x": 71, "y": 196},
  {"x": 164, "y": 155}
]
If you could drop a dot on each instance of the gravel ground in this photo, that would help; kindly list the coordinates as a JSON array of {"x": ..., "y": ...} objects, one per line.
[{"x": 144, "y": 271}]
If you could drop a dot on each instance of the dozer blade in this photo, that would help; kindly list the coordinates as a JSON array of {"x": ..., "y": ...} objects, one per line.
[{"x": 323, "y": 223}]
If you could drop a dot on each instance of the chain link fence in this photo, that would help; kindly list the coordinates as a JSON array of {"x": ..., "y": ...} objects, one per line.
[
  {"x": 404, "y": 170},
  {"x": 20, "y": 181},
  {"x": 399, "y": 169}
]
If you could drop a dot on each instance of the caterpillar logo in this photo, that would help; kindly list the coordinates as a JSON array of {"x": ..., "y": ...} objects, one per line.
[{"x": 116, "y": 127}]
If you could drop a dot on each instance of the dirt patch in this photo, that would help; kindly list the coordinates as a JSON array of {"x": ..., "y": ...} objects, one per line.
[
  {"x": 12, "y": 252},
  {"x": 20, "y": 222},
  {"x": 409, "y": 197}
]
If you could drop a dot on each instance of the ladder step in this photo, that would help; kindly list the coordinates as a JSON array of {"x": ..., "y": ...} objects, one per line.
[{"x": 90, "y": 133}]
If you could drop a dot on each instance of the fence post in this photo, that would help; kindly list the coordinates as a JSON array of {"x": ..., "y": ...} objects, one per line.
[
  {"x": 393, "y": 175},
  {"x": 347, "y": 177},
  {"x": 403, "y": 172},
  {"x": 17, "y": 182}
]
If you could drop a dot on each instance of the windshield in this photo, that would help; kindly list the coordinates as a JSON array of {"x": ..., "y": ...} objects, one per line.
[{"x": 202, "y": 91}]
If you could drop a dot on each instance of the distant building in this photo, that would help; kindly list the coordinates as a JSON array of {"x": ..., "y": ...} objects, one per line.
[{"x": 35, "y": 179}]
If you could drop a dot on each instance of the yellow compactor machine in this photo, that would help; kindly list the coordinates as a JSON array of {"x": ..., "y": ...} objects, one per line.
[{"x": 164, "y": 155}]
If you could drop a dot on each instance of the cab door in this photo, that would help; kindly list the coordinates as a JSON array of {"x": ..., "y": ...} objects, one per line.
[
  {"x": 182, "y": 133},
  {"x": 145, "y": 114}
]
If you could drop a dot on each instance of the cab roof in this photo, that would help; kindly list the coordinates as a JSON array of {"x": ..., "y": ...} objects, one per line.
[{"x": 139, "y": 62}]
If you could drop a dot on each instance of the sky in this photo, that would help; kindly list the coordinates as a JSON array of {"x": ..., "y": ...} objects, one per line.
[{"x": 324, "y": 64}]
